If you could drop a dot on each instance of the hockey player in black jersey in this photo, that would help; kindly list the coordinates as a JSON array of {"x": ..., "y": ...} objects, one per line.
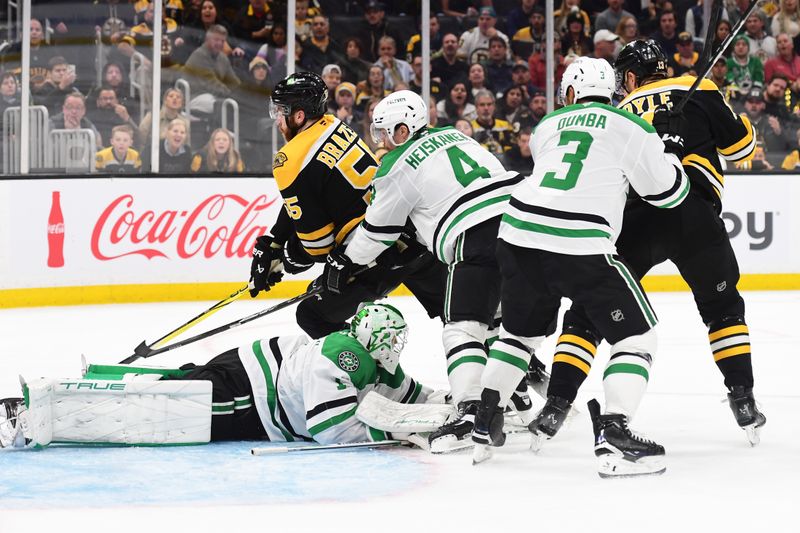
[
  {"x": 692, "y": 236},
  {"x": 324, "y": 173}
]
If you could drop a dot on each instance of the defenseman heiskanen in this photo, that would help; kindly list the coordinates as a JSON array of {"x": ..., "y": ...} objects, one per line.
[
  {"x": 453, "y": 191},
  {"x": 288, "y": 388},
  {"x": 556, "y": 240}
]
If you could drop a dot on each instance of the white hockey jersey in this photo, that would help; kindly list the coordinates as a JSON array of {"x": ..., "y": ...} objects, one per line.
[
  {"x": 306, "y": 389},
  {"x": 585, "y": 157},
  {"x": 444, "y": 181}
]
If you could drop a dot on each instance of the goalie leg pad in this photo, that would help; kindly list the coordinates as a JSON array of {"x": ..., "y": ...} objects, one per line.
[{"x": 117, "y": 412}]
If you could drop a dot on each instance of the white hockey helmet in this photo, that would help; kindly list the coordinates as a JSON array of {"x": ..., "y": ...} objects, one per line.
[
  {"x": 588, "y": 76},
  {"x": 382, "y": 330},
  {"x": 401, "y": 107}
]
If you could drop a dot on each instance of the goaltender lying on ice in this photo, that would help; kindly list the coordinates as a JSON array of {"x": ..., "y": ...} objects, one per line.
[{"x": 346, "y": 387}]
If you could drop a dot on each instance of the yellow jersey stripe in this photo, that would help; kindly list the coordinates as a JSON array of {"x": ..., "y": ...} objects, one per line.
[
  {"x": 580, "y": 341},
  {"x": 727, "y": 332},
  {"x": 730, "y": 352},
  {"x": 319, "y": 251},
  {"x": 347, "y": 227},
  {"x": 744, "y": 141},
  {"x": 570, "y": 359},
  {"x": 317, "y": 234}
]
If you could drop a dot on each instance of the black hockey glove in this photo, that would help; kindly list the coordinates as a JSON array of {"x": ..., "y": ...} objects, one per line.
[
  {"x": 670, "y": 128},
  {"x": 295, "y": 258},
  {"x": 338, "y": 269},
  {"x": 266, "y": 268}
]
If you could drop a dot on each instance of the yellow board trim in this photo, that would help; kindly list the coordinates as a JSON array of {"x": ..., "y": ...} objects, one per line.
[
  {"x": 183, "y": 292},
  {"x": 572, "y": 360},
  {"x": 730, "y": 352},
  {"x": 314, "y": 235},
  {"x": 727, "y": 332},
  {"x": 580, "y": 341}
]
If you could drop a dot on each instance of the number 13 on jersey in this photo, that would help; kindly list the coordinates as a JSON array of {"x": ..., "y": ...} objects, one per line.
[{"x": 573, "y": 159}]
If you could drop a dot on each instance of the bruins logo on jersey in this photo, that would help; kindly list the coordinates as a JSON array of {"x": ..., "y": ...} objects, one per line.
[{"x": 279, "y": 159}]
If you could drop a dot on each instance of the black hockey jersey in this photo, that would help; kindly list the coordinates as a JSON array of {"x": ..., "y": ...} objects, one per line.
[
  {"x": 714, "y": 128},
  {"x": 324, "y": 175}
]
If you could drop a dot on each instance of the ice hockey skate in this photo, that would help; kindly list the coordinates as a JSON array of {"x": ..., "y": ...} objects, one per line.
[
  {"x": 488, "y": 430},
  {"x": 548, "y": 421},
  {"x": 455, "y": 435},
  {"x": 620, "y": 452},
  {"x": 746, "y": 412},
  {"x": 537, "y": 376},
  {"x": 10, "y": 431},
  {"x": 521, "y": 403}
]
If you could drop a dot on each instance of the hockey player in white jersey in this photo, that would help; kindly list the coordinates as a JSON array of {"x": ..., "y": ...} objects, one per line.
[
  {"x": 287, "y": 388},
  {"x": 556, "y": 240},
  {"x": 453, "y": 191}
]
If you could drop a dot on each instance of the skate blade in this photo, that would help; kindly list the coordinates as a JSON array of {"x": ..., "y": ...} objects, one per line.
[
  {"x": 537, "y": 441},
  {"x": 753, "y": 433},
  {"x": 481, "y": 453},
  {"x": 449, "y": 444},
  {"x": 526, "y": 417},
  {"x": 614, "y": 466}
]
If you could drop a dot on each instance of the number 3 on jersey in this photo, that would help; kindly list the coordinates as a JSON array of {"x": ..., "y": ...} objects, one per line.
[{"x": 573, "y": 159}]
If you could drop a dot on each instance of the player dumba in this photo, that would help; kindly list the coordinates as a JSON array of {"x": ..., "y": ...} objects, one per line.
[
  {"x": 692, "y": 236},
  {"x": 324, "y": 174},
  {"x": 453, "y": 191},
  {"x": 287, "y": 388},
  {"x": 556, "y": 240}
]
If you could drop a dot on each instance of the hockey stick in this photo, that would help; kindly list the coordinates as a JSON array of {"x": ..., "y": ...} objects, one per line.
[
  {"x": 225, "y": 327},
  {"x": 313, "y": 291},
  {"x": 328, "y": 447},
  {"x": 709, "y": 56},
  {"x": 143, "y": 350}
]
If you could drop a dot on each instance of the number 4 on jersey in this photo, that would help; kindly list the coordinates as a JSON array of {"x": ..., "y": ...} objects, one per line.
[
  {"x": 458, "y": 160},
  {"x": 574, "y": 159}
]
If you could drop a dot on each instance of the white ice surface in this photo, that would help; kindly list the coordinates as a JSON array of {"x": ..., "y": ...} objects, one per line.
[{"x": 714, "y": 481}]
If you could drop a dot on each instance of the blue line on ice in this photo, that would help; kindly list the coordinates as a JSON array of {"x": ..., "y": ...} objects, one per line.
[{"x": 222, "y": 473}]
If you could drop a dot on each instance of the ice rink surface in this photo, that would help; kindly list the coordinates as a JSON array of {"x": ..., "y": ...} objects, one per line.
[{"x": 714, "y": 481}]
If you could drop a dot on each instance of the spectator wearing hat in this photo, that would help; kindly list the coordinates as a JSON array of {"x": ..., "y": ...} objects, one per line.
[
  {"x": 320, "y": 49},
  {"x": 567, "y": 7},
  {"x": 474, "y": 43},
  {"x": 395, "y": 71},
  {"x": 667, "y": 34},
  {"x": 744, "y": 70},
  {"x": 520, "y": 16},
  {"x": 605, "y": 45},
  {"x": 609, "y": 18},
  {"x": 770, "y": 129},
  {"x": 498, "y": 66},
  {"x": 575, "y": 42},
  {"x": 729, "y": 90},
  {"x": 416, "y": 82},
  {"x": 685, "y": 59},
  {"x": 762, "y": 46},
  {"x": 373, "y": 27},
  {"x": 354, "y": 68},
  {"x": 254, "y": 116},
  {"x": 786, "y": 63},
  {"x": 521, "y": 77},
  {"x": 345, "y": 101},
  {"x": 530, "y": 39},
  {"x": 446, "y": 66},
  {"x": 332, "y": 76}
]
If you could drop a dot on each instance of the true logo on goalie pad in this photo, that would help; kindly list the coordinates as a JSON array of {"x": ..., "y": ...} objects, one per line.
[{"x": 348, "y": 361}]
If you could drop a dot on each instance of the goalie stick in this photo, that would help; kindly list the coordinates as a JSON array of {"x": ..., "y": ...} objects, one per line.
[
  {"x": 273, "y": 450},
  {"x": 710, "y": 56}
]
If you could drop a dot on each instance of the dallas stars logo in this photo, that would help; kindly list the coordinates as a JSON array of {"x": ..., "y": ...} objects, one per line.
[{"x": 348, "y": 361}]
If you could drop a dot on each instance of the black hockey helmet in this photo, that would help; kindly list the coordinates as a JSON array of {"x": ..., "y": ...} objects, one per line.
[
  {"x": 301, "y": 90},
  {"x": 646, "y": 59}
]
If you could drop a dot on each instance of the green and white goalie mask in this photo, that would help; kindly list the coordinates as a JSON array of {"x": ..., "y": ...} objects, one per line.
[{"x": 383, "y": 331}]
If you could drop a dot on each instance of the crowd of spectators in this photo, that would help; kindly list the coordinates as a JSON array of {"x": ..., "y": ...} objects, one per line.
[{"x": 488, "y": 69}]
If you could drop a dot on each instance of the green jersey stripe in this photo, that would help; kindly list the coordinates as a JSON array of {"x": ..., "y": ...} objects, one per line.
[
  {"x": 627, "y": 368},
  {"x": 552, "y": 230},
  {"x": 464, "y": 214},
  {"x": 272, "y": 395},
  {"x": 468, "y": 359},
  {"x": 332, "y": 421},
  {"x": 512, "y": 360},
  {"x": 649, "y": 314}
]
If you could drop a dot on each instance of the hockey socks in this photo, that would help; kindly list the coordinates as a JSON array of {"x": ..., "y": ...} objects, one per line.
[
  {"x": 627, "y": 373},
  {"x": 730, "y": 345},
  {"x": 508, "y": 364},
  {"x": 572, "y": 362}
]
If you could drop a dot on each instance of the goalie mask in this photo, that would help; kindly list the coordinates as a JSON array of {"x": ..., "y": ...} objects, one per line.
[
  {"x": 401, "y": 107},
  {"x": 588, "y": 77},
  {"x": 382, "y": 330}
]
